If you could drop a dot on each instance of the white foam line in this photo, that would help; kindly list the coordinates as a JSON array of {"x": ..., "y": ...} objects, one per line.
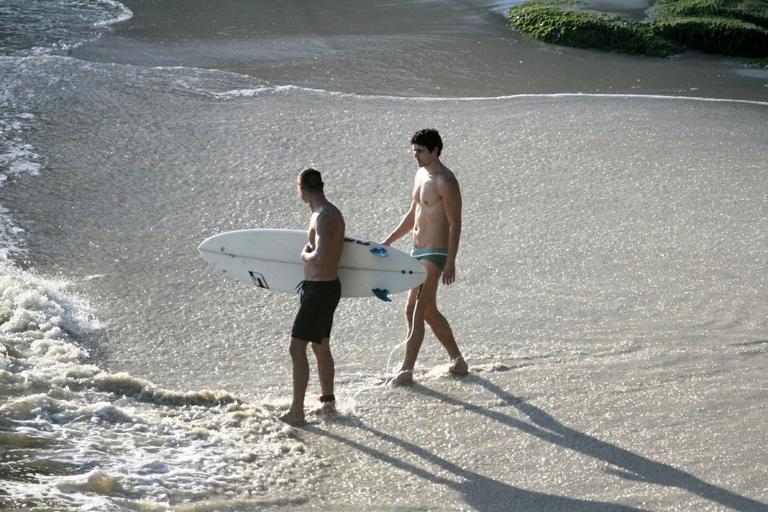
[
  {"x": 251, "y": 92},
  {"x": 125, "y": 14},
  {"x": 524, "y": 96}
]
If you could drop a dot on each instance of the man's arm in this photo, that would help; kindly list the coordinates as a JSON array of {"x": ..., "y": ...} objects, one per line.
[
  {"x": 405, "y": 227},
  {"x": 451, "y": 195},
  {"x": 323, "y": 233}
]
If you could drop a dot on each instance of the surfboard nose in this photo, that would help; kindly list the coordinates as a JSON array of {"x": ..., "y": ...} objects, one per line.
[{"x": 212, "y": 244}]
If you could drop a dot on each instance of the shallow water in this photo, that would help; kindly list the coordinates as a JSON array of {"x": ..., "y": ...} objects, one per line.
[
  {"x": 611, "y": 296},
  {"x": 403, "y": 48}
]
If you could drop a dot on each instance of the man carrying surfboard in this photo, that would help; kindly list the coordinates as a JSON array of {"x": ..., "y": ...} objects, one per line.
[
  {"x": 435, "y": 220},
  {"x": 320, "y": 294}
]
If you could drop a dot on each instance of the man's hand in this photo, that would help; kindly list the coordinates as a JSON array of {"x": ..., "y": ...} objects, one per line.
[
  {"x": 449, "y": 272},
  {"x": 308, "y": 250}
]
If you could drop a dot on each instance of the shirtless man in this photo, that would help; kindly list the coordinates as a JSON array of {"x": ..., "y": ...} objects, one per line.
[
  {"x": 320, "y": 293},
  {"x": 435, "y": 219}
]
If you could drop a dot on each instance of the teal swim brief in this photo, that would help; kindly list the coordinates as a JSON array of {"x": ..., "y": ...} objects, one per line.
[{"x": 436, "y": 256}]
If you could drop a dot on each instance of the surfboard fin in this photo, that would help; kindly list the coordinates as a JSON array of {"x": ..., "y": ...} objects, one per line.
[
  {"x": 382, "y": 294},
  {"x": 379, "y": 251}
]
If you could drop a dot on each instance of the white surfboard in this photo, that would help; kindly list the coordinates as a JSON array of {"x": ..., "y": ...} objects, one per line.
[{"x": 271, "y": 259}]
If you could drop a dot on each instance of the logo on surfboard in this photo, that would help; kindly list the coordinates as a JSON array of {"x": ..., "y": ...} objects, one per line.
[{"x": 258, "y": 279}]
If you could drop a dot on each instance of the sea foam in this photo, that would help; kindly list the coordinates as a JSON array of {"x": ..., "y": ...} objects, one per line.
[{"x": 65, "y": 416}]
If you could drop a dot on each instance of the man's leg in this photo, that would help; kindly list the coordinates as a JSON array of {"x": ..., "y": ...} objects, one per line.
[
  {"x": 426, "y": 296},
  {"x": 443, "y": 332},
  {"x": 298, "y": 351},
  {"x": 405, "y": 376},
  {"x": 325, "y": 367},
  {"x": 410, "y": 307}
]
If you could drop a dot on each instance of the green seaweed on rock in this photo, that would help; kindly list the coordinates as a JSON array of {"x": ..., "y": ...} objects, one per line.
[{"x": 675, "y": 26}]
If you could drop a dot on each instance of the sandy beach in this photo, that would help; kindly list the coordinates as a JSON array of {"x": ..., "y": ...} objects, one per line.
[{"x": 611, "y": 292}]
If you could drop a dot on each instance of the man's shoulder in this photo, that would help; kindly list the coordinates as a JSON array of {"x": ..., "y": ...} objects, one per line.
[
  {"x": 447, "y": 178},
  {"x": 329, "y": 213},
  {"x": 328, "y": 207}
]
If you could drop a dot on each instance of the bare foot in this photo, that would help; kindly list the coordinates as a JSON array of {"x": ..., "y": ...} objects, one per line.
[
  {"x": 458, "y": 366},
  {"x": 403, "y": 378},
  {"x": 293, "y": 418},
  {"x": 325, "y": 409}
]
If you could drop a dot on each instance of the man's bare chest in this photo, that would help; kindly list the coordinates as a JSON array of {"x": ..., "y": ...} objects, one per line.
[{"x": 427, "y": 194}]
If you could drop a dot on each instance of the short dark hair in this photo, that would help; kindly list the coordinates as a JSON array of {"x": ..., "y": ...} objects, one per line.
[
  {"x": 310, "y": 180},
  {"x": 429, "y": 138}
]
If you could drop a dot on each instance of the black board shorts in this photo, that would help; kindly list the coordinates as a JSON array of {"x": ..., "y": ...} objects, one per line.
[{"x": 317, "y": 304}]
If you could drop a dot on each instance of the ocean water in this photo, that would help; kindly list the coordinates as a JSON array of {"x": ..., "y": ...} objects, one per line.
[{"x": 611, "y": 299}]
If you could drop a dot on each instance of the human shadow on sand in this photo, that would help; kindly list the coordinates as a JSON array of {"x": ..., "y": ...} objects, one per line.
[
  {"x": 625, "y": 463},
  {"x": 489, "y": 495},
  {"x": 480, "y": 492}
]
